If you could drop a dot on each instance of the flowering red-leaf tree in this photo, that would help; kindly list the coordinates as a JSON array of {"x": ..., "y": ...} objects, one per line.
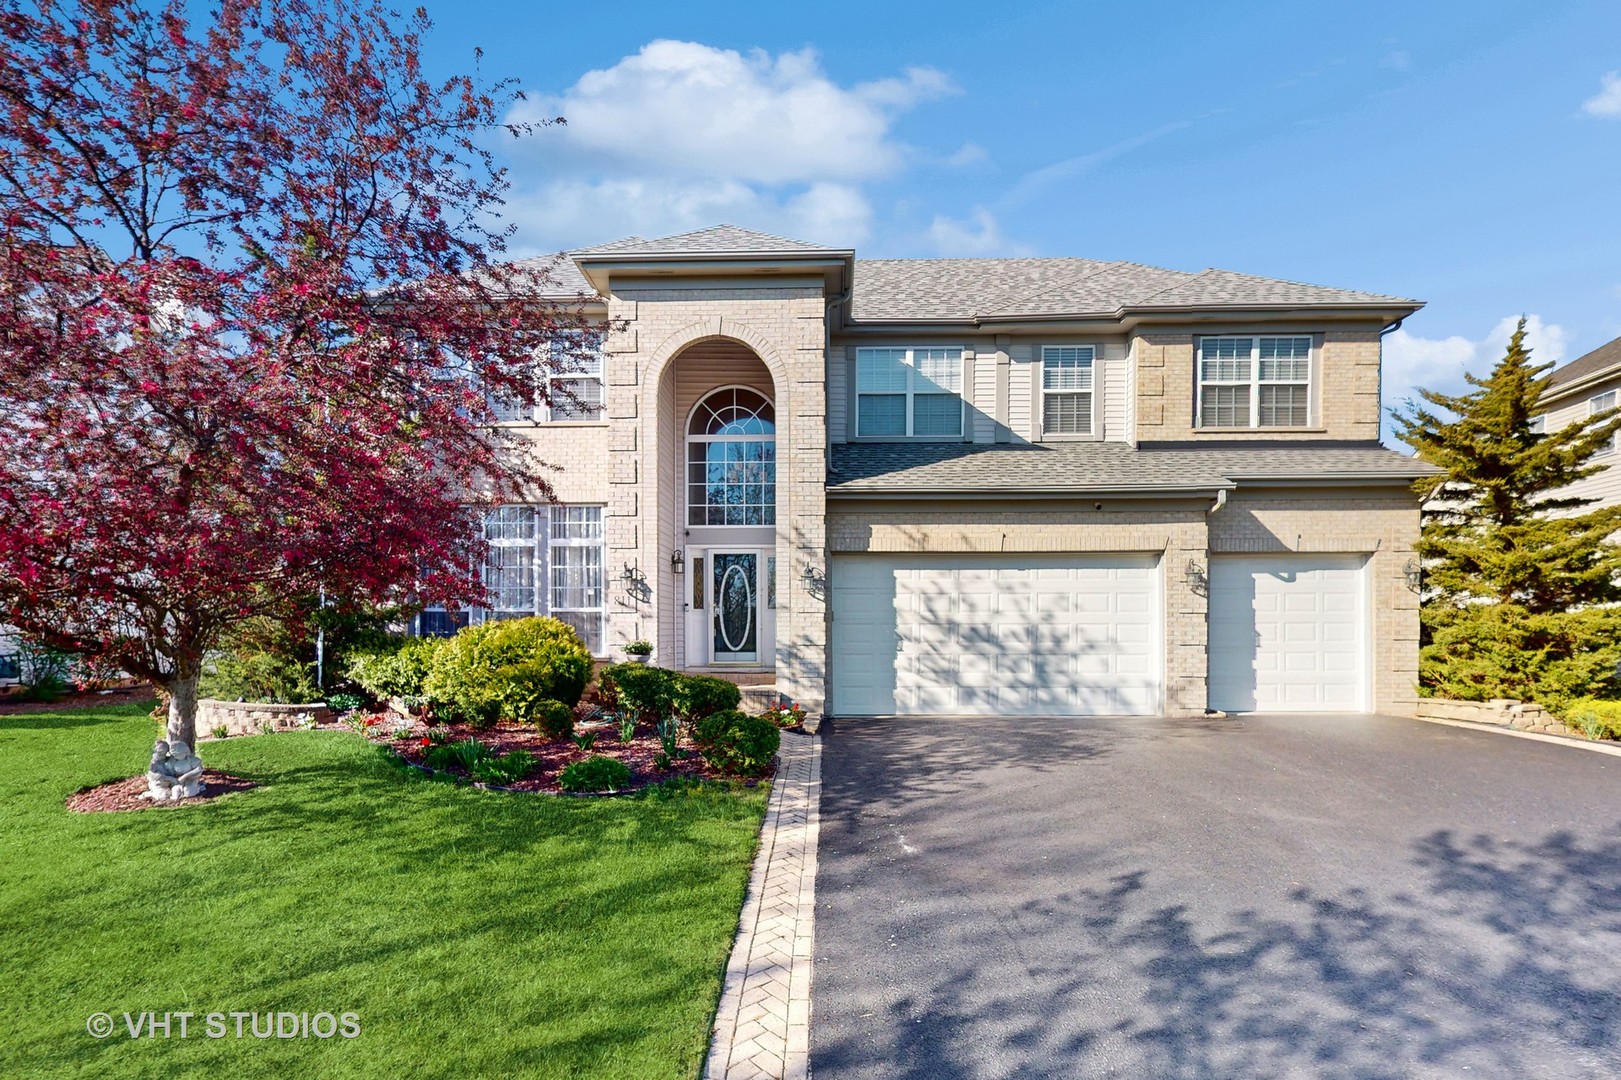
[{"x": 251, "y": 315}]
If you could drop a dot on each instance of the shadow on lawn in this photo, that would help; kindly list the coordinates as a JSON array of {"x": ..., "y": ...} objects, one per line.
[{"x": 1496, "y": 958}]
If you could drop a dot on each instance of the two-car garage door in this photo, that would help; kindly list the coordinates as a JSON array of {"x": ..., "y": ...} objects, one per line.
[
  {"x": 1083, "y": 635},
  {"x": 1054, "y": 635}
]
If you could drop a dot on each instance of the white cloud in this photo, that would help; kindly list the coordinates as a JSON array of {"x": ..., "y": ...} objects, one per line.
[
  {"x": 1439, "y": 363},
  {"x": 684, "y": 135},
  {"x": 980, "y": 235},
  {"x": 1607, "y": 102},
  {"x": 969, "y": 153}
]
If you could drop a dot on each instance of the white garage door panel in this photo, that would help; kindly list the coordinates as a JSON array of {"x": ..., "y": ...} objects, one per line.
[
  {"x": 1288, "y": 633},
  {"x": 985, "y": 635}
]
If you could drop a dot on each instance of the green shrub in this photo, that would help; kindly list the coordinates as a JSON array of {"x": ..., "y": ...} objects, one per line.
[
  {"x": 697, "y": 696},
  {"x": 1594, "y": 717},
  {"x": 44, "y": 673},
  {"x": 596, "y": 773},
  {"x": 505, "y": 769},
  {"x": 1478, "y": 652},
  {"x": 259, "y": 659},
  {"x": 553, "y": 719},
  {"x": 648, "y": 692},
  {"x": 745, "y": 747},
  {"x": 342, "y": 703},
  {"x": 710, "y": 728},
  {"x": 395, "y": 673},
  {"x": 465, "y": 753},
  {"x": 506, "y": 669}
]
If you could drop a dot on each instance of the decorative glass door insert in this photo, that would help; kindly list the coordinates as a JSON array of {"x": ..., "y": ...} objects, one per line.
[{"x": 735, "y": 580}]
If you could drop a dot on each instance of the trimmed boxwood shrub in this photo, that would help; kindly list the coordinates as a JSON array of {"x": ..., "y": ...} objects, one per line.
[
  {"x": 595, "y": 773},
  {"x": 648, "y": 692},
  {"x": 553, "y": 719},
  {"x": 399, "y": 673},
  {"x": 706, "y": 729},
  {"x": 697, "y": 696},
  {"x": 743, "y": 747},
  {"x": 506, "y": 669}
]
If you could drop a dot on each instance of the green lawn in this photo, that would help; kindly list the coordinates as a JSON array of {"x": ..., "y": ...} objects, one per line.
[{"x": 475, "y": 933}]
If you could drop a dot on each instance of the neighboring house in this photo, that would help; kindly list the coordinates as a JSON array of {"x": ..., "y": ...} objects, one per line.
[
  {"x": 975, "y": 486},
  {"x": 1586, "y": 385}
]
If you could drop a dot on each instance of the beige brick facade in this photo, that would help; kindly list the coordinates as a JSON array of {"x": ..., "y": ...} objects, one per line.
[{"x": 1345, "y": 386}]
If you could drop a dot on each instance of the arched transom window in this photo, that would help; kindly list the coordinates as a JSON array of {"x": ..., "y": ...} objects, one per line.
[{"x": 732, "y": 460}]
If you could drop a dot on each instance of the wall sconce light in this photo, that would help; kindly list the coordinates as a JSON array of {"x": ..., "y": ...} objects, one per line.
[
  {"x": 1414, "y": 574},
  {"x": 678, "y": 562},
  {"x": 1195, "y": 576},
  {"x": 632, "y": 576},
  {"x": 815, "y": 580}
]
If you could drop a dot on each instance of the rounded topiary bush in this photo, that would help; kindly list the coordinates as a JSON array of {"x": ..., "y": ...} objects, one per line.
[
  {"x": 595, "y": 773},
  {"x": 737, "y": 744},
  {"x": 648, "y": 692},
  {"x": 553, "y": 719},
  {"x": 698, "y": 696},
  {"x": 706, "y": 729},
  {"x": 506, "y": 669}
]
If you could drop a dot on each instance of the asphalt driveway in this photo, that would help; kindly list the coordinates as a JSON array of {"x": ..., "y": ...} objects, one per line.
[{"x": 1259, "y": 897}]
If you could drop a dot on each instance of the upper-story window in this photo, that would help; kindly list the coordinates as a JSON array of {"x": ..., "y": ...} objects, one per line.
[
  {"x": 572, "y": 365},
  {"x": 1255, "y": 382},
  {"x": 1067, "y": 389},
  {"x": 909, "y": 393},
  {"x": 1603, "y": 403},
  {"x": 1538, "y": 424},
  {"x": 732, "y": 460}
]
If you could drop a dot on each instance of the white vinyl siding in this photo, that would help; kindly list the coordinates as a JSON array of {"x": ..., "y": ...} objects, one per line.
[
  {"x": 1255, "y": 382},
  {"x": 541, "y": 560},
  {"x": 909, "y": 393},
  {"x": 1068, "y": 395}
]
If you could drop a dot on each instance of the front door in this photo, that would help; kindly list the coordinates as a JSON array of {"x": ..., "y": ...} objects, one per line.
[
  {"x": 730, "y": 616},
  {"x": 734, "y": 591}
]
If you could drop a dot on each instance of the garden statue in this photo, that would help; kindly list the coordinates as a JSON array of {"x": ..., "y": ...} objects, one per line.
[{"x": 175, "y": 773}]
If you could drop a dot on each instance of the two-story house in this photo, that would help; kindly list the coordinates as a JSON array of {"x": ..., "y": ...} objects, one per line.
[
  {"x": 976, "y": 486},
  {"x": 1588, "y": 384}
]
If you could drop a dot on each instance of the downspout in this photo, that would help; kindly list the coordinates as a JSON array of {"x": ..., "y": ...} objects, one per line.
[
  {"x": 832, "y": 303},
  {"x": 1391, "y": 329},
  {"x": 1221, "y": 501}
]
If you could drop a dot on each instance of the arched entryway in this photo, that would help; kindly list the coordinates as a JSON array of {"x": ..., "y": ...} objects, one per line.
[{"x": 719, "y": 503}]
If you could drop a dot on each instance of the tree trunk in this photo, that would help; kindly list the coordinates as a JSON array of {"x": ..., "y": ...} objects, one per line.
[{"x": 182, "y": 725}]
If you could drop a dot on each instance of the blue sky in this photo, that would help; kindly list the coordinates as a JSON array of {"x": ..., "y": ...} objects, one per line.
[{"x": 1467, "y": 155}]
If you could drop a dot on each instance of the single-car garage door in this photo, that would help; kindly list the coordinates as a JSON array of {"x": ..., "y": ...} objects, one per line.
[
  {"x": 1288, "y": 633},
  {"x": 1056, "y": 635}
]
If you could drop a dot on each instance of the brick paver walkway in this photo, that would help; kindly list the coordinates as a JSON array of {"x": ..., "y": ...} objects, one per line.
[{"x": 762, "y": 1027}]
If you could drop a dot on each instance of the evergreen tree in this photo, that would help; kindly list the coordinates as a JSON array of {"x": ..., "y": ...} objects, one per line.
[{"x": 1521, "y": 576}]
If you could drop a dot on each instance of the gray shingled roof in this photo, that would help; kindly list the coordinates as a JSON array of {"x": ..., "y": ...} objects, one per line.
[
  {"x": 1098, "y": 466},
  {"x": 963, "y": 289},
  {"x": 1606, "y": 355},
  {"x": 720, "y": 238},
  {"x": 566, "y": 281}
]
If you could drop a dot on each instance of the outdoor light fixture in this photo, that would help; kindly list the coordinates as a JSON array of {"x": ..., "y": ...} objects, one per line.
[
  {"x": 1194, "y": 575},
  {"x": 630, "y": 575},
  {"x": 815, "y": 580},
  {"x": 1414, "y": 574},
  {"x": 678, "y": 562}
]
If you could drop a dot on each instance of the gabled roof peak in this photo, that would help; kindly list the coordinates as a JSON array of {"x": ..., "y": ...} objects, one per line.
[{"x": 718, "y": 239}]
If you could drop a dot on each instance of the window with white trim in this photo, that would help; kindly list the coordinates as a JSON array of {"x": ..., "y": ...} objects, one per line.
[
  {"x": 541, "y": 560},
  {"x": 572, "y": 367},
  {"x": 1255, "y": 382},
  {"x": 1067, "y": 389},
  {"x": 1603, "y": 403},
  {"x": 903, "y": 393},
  {"x": 732, "y": 459}
]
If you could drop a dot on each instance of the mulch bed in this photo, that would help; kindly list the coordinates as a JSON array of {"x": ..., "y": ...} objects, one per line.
[
  {"x": 132, "y": 695},
  {"x": 121, "y": 795}
]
